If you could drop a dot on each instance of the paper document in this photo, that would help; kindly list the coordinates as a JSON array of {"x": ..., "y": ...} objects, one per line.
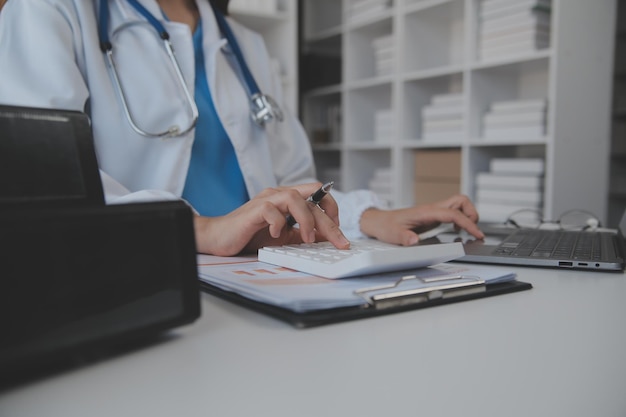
[{"x": 302, "y": 292}]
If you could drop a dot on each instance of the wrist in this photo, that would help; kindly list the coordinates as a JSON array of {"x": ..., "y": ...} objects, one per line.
[
  {"x": 367, "y": 221},
  {"x": 208, "y": 241},
  {"x": 201, "y": 227}
]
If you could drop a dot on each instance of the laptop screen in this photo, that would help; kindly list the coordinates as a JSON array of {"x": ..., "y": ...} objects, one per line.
[{"x": 47, "y": 158}]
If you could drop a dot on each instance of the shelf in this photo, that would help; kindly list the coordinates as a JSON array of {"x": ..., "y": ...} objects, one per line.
[
  {"x": 329, "y": 45},
  {"x": 434, "y": 37},
  {"x": 320, "y": 18},
  {"x": 323, "y": 91},
  {"x": 365, "y": 21},
  {"x": 481, "y": 142},
  {"x": 413, "y": 6},
  {"x": 367, "y": 102},
  {"x": 419, "y": 94},
  {"x": 370, "y": 82},
  {"x": 279, "y": 30},
  {"x": 360, "y": 55},
  {"x": 432, "y": 73},
  {"x": 408, "y": 144},
  {"x": 259, "y": 21},
  {"x": 323, "y": 35},
  {"x": 330, "y": 147},
  {"x": 368, "y": 146},
  {"x": 543, "y": 54},
  {"x": 412, "y": 82}
]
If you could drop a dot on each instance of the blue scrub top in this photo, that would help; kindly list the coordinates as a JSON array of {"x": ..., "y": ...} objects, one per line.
[{"x": 214, "y": 184}]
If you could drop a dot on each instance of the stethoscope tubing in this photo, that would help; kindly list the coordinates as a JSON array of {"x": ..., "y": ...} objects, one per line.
[
  {"x": 107, "y": 47},
  {"x": 263, "y": 107}
]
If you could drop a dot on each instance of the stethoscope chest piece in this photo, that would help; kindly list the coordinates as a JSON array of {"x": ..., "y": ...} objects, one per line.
[{"x": 264, "y": 109}]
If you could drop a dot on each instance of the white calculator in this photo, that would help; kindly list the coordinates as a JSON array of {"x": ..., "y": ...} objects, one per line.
[{"x": 365, "y": 256}]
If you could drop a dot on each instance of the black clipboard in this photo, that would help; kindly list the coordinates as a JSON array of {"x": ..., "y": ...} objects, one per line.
[{"x": 376, "y": 308}]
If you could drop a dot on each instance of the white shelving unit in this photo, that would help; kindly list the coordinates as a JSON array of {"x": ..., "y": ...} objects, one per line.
[
  {"x": 277, "y": 22},
  {"x": 437, "y": 49}
]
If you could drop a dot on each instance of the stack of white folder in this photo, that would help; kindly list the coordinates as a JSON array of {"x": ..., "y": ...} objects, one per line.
[
  {"x": 384, "y": 125},
  {"x": 510, "y": 27},
  {"x": 516, "y": 119},
  {"x": 443, "y": 119},
  {"x": 512, "y": 185},
  {"x": 384, "y": 53}
]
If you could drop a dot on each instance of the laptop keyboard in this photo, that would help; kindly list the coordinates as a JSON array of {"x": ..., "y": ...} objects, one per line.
[{"x": 575, "y": 245}]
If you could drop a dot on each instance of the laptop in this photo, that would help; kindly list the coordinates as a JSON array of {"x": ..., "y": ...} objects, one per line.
[
  {"x": 596, "y": 250},
  {"x": 47, "y": 159}
]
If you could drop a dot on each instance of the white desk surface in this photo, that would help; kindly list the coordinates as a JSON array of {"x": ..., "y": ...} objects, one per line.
[{"x": 556, "y": 350}]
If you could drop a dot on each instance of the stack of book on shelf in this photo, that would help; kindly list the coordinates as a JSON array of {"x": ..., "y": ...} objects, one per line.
[
  {"x": 384, "y": 51},
  {"x": 266, "y": 7},
  {"x": 381, "y": 184},
  {"x": 384, "y": 126},
  {"x": 326, "y": 125},
  {"x": 362, "y": 9},
  {"x": 512, "y": 185},
  {"x": 443, "y": 119},
  {"x": 437, "y": 174},
  {"x": 517, "y": 120},
  {"x": 512, "y": 27}
]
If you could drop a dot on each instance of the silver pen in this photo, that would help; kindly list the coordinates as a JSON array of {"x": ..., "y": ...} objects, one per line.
[{"x": 314, "y": 198}]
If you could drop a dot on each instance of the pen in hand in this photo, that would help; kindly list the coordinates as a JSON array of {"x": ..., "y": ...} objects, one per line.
[{"x": 314, "y": 198}]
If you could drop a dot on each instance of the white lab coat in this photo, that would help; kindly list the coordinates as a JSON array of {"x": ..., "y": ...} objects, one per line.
[{"x": 50, "y": 57}]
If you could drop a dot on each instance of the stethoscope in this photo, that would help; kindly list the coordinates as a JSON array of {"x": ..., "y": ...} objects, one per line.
[{"x": 263, "y": 108}]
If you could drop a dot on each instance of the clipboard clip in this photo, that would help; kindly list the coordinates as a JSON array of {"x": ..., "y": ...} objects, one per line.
[{"x": 449, "y": 286}]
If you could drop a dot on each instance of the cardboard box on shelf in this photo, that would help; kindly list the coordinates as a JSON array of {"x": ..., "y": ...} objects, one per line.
[
  {"x": 438, "y": 164},
  {"x": 431, "y": 191}
]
